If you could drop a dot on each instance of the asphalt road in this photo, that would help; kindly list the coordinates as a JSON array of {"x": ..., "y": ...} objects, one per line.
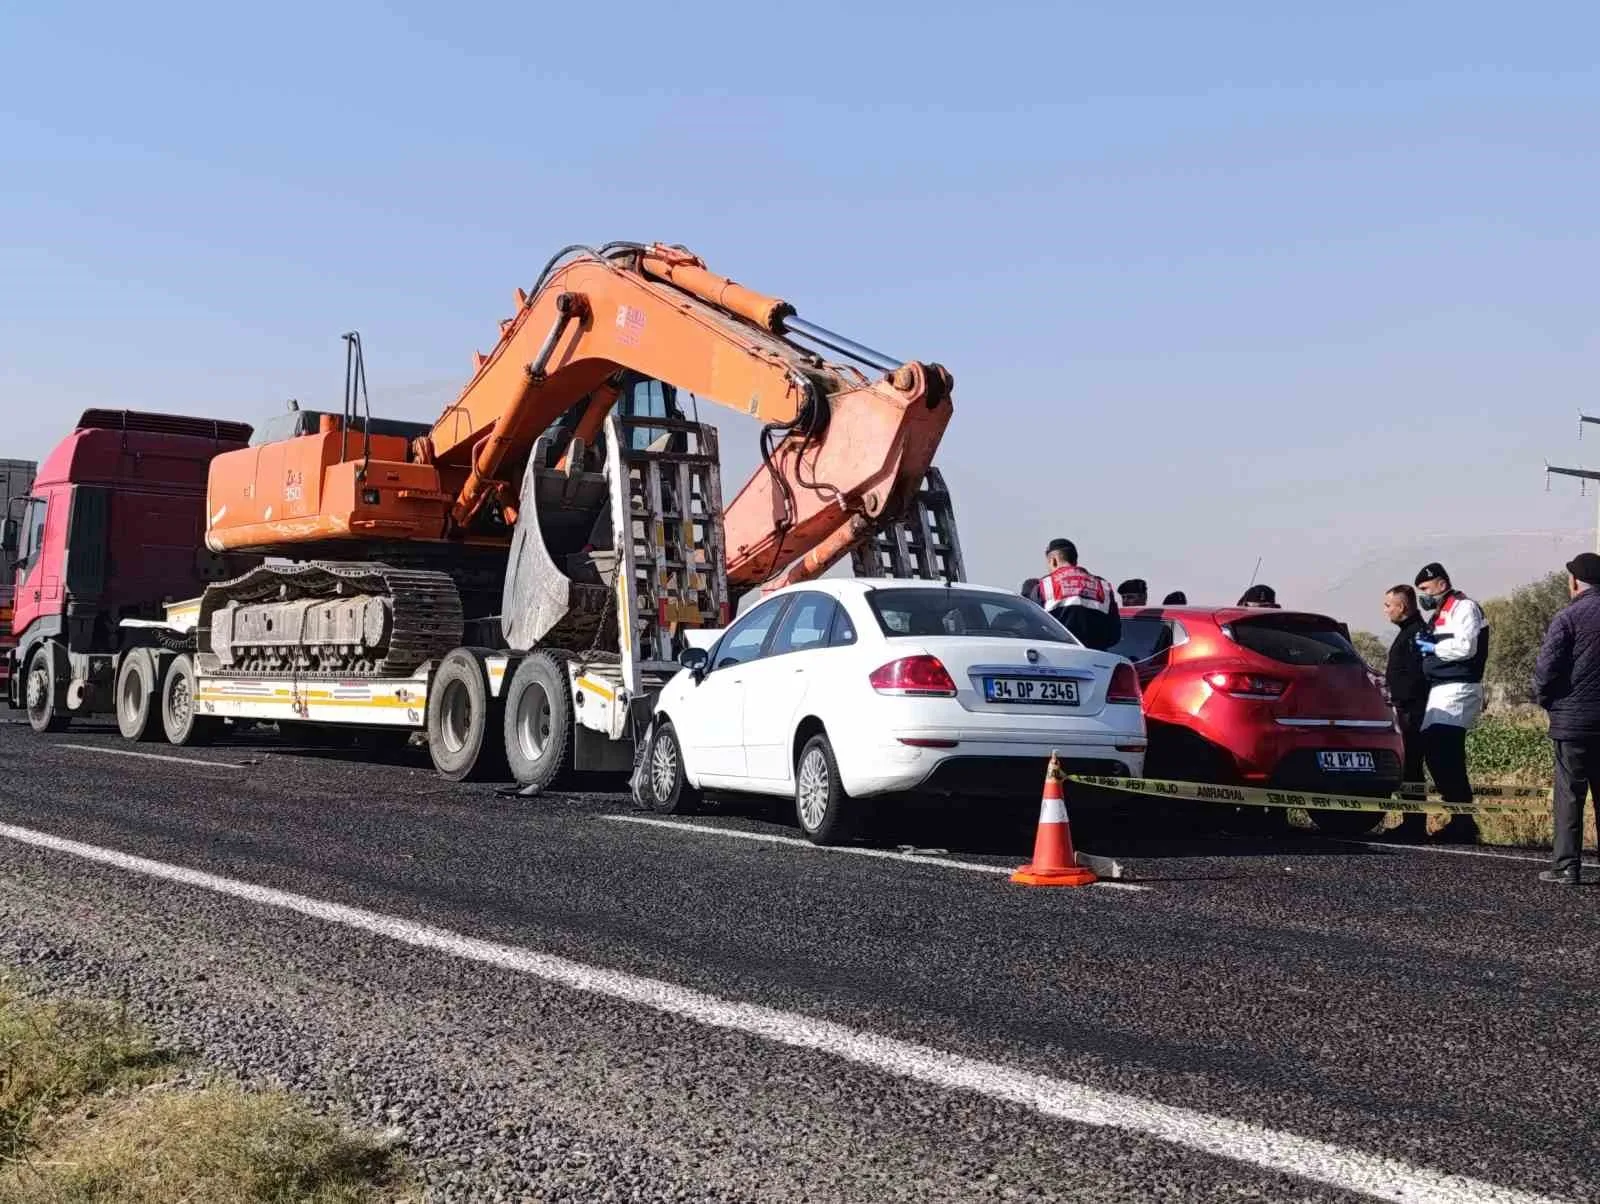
[{"x": 548, "y": 1000}]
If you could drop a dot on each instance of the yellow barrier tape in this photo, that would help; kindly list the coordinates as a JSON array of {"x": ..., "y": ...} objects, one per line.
[
  {"x": 1256, "y": 796},
  {"x": 1543, "y": 793}
]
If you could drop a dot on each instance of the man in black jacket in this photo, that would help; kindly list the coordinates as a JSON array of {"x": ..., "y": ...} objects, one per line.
[
  {"x": 1566, "y": 682},
  {"x": 1408, "y": 691}
]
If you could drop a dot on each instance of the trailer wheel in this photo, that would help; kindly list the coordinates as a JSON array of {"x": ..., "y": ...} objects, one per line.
[
  {"x": 539, "y": 721},
  {"x": 179, "y": 719},
  {"x": 463, "y": 720},
  {"x": 39, "y": 693},
  {"x": 138, "y": 715}
]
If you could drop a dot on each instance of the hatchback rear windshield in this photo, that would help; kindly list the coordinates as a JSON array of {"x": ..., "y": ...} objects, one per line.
[
  {"x": 939, "y": 612},
  {"x": 1295, "y": 640}
]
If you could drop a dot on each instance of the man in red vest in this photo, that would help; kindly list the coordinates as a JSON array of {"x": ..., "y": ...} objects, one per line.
[{"x": 1084, "y": 604}]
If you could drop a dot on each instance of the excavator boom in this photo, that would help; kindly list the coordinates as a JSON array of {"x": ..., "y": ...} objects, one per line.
[{"x": 841, "y": 452}]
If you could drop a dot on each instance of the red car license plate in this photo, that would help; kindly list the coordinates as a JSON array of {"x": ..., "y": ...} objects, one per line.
[{"x": 1347, "y": 762}]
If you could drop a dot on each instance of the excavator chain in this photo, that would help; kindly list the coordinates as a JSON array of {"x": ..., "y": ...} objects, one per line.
[{"x": 422, "y": 620}]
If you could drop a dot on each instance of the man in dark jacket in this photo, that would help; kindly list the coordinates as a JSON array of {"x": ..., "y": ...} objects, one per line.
[
  {"x": 1566, "y": 682},
  {"x": 1408, "y": 691}
]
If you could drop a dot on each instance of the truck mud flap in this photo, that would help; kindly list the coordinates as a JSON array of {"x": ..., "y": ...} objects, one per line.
[{"x": 641, "y": 745}]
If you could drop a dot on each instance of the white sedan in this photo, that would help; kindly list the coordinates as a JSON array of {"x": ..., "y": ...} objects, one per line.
[{"x": 837, "y": 690}]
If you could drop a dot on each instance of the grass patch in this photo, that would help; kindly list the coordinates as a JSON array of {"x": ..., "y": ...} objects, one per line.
[{"x": 92, "y": 1111}]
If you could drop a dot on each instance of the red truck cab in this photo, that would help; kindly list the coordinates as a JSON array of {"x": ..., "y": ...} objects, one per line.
[
  {"x": 113, "y": 529},
  {"x": 16, "y": 483}
]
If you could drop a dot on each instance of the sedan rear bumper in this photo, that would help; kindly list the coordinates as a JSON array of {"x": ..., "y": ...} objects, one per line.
[{"x": 937, "y": 762}]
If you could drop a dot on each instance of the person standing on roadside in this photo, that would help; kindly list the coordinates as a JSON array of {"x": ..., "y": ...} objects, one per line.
[
  {"x": 1455, "y": 651},
  {"x": 1566, "y": 682},
  {"x": 1408, "y": 693},
  {"x": 1134, "y": 593},
  {"x": 1083, "y": 603}
]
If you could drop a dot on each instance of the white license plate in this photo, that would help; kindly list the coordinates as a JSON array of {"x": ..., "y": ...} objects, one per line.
[
  {"x": 1347, "y": 762},
  {"x": 1039, "y": 690}
]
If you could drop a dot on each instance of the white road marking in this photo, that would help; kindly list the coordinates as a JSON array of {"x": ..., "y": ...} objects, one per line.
[
  {"x": 128, "y": 752},
  {"x": 1397, "y": 847},
  {"x": 1216, "y": 1136},
  {"x": 977, "y": 867}
]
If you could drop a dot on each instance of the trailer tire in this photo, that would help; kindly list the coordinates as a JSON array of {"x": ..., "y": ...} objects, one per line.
[
  {"x": 463, "y": 720},
  {"x": 39, "y": 693},
  {"x": 538, "y": 721},
  {"x": 179, "y": 720},
  {"x": 138, "y": 713}
]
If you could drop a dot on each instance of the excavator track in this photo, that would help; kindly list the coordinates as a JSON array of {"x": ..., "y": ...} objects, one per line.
[{"x": 424, "y": 620}]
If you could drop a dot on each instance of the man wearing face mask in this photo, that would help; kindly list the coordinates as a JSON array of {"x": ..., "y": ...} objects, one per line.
[{"x": 1455, "y": 651}]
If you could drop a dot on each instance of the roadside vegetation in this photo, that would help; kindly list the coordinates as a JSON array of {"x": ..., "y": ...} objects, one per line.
[{"x": 92, "y": 1111}]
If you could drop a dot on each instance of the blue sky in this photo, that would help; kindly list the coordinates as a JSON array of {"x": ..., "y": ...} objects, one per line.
[{"x": 1215, "y": 282}]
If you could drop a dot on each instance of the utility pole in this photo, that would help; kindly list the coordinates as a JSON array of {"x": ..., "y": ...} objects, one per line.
[{"x": 1584, "y": 475}]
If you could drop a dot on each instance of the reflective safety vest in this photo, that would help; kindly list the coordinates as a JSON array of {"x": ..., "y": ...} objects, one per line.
[{"x": 1071, "y": 585}]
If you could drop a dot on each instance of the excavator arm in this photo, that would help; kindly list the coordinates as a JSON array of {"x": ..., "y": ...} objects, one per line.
[{"x": 841, "y": 452}]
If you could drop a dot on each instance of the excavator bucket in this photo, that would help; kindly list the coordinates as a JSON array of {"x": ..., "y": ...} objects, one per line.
[{"x": 621, "y": 540}]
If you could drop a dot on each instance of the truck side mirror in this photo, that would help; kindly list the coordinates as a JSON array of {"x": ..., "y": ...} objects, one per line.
[
  {"x": 11, "y": 538},
  {"x": 695, "y": 660}
]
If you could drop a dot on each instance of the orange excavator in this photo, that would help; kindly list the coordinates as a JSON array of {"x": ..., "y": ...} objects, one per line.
[
  {"x": 840, "y": 451},
  {"x": 559, "y": 524}
]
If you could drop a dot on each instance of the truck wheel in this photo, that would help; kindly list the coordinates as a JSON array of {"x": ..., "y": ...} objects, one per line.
[
  {"x": 463, "y": 727},
  {"x": 665, "y": 786},
  {"x": 39, "y": 692},
  {"x": 538, "y": 721},
  {"x": 138, "y": 715},
  {"x": 179, "y": 719},
  {"x": 826, "y": 813}
]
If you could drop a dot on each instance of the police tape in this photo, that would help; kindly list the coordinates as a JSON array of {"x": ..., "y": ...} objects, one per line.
[
  {"x": 1257, "y": 796},
  {"x": 1543, "y": 793}
]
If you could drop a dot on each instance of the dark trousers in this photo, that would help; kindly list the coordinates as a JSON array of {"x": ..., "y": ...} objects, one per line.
[
  {"x": 1577, "y": 767},
  {"x": 1444, "y": 747},
  {"x": 1411, "y": 733}
]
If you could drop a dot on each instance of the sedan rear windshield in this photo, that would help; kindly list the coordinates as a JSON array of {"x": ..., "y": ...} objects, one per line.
[
  {"x": 941, "y": 612},
  {"x": 1295, "y": 640}
]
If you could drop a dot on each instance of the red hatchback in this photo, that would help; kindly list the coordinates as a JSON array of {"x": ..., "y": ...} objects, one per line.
[{"x": 1263, "y": 698}]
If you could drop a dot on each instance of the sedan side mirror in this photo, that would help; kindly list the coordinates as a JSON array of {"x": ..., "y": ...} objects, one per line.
[
  {"x": 695, "y": 660},
  {"x": 11, "y": 537}
]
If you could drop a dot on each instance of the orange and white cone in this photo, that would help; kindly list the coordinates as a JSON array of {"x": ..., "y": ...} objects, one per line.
[{"x": 1054, "y": 861}]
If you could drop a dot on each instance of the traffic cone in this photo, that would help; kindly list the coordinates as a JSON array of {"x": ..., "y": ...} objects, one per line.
[{"x": 1054, "y": 862}]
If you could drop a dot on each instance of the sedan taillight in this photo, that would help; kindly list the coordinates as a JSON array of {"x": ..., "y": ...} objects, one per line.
[
  {"x": 1247, "y": 685},
  {"x": 917, "y": 676},
  {"x": 1124, "y": 685}
]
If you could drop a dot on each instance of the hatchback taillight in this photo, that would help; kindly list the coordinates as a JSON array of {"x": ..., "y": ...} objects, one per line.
[
  {"x": 1247, "y": 685},
  {"x": 1124, "y": 685},
  {"x": 919, "y": 676}
]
